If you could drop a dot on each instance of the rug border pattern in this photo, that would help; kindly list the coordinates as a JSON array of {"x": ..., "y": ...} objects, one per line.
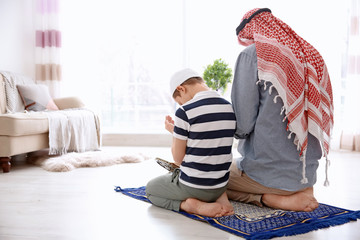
[{"x": 296, "y": 227}]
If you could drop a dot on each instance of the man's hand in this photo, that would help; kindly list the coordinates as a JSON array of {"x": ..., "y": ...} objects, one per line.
[{"x": 169, "y": 124}]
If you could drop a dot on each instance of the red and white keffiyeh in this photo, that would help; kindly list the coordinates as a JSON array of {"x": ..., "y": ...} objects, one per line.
[{"x": 298, "y": 73}]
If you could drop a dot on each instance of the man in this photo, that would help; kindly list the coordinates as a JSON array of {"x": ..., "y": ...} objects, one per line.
[{"x": 282, "y": 98}]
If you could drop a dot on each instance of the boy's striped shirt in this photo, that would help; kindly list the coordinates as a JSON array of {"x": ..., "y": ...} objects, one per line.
[{"x": 207, "y": 122}]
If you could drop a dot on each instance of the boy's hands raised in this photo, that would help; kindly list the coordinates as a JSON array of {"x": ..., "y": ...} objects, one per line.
[{"x": 169, "y": 124}]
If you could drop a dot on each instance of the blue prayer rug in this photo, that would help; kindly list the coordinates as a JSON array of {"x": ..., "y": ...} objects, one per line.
[{"x": 253, "y": 222}]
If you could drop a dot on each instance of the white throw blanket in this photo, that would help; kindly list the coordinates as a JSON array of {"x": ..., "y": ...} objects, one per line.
[{"x": 72, "y": 130}]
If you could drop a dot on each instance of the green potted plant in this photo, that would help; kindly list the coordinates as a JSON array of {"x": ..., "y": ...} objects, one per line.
[{"x": 218, "y": 75}]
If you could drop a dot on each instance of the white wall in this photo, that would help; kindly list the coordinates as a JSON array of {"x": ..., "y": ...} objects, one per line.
[
  {"x": 17, "y": 53},
  {"x": 322, "y": 23}
]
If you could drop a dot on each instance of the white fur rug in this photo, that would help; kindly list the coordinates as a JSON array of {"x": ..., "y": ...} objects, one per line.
[{"x": 70, "y": 161}]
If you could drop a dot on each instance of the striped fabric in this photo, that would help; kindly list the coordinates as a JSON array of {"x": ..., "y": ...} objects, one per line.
[
  {"x": 207, "y": 123},
  {"x": 47, "y": 45},
  {"x": 48, "y": 38},
  {"x": 48, "y": 72}
]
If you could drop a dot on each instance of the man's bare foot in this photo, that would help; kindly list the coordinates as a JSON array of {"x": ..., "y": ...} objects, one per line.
[
  {"x": 303, "y": 201},
  {"x": 195, "y": 206}
]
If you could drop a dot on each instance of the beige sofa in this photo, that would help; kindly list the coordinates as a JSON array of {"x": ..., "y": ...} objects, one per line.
[{"x": 24, "y": 132}]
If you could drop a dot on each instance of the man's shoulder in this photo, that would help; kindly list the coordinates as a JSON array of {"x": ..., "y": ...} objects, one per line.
[{"x": 250, "y": 50}]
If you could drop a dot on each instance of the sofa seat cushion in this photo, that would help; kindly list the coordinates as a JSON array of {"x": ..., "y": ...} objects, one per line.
[{"x": 19, "y": 124}]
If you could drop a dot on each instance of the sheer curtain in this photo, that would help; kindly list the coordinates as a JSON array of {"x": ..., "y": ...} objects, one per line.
[
  {"x": 47, "y": 44},
  {"x": 350, "y": 137},
  {"x": 118, "y": 57}
]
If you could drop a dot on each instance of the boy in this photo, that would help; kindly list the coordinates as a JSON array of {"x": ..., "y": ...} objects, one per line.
[{"x": 203, "y": 133}]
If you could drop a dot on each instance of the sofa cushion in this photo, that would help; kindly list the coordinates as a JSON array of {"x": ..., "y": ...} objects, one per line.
[
  {"x": 36, "y": 97},
  {"x": 18, "y": 124},
  {"x": 10, "y": 146},
  {"x": 68, "y": 102}
]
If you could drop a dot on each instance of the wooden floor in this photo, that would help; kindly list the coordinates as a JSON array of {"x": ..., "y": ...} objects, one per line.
[{"x": 82, "y": 205}]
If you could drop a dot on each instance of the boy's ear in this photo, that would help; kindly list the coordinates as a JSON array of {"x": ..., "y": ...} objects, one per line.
[{"x": 180, "y": 88}]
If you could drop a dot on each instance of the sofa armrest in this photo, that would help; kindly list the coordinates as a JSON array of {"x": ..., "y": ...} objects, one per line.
[
  {"x": 2, "y": 95},
  {"x": 68, "y": 102}
]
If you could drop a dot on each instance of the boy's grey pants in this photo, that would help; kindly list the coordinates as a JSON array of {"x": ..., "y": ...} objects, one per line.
[{"x": 167, "y": 192}]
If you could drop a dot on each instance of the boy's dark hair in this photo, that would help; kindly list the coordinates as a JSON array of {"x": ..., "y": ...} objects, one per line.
[{"x": 190, "y": 81}]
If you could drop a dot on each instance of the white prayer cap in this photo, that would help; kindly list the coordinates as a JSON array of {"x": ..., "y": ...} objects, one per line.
[{"x": 181, "y": 76}]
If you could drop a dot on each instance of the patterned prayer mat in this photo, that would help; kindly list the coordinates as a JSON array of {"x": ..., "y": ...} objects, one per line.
[{"x": 252, "y": 222}]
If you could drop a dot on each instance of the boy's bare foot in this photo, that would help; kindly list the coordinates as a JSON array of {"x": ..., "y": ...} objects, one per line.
[
  {"x": 301, "y": 201},
  {"x": 195, "y": 206},
  {"x": 228, "y": 209},
  {"x": 222, "y": 207}
]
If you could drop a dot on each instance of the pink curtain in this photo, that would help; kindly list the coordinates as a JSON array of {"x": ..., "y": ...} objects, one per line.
[
  {"x": 350, "y": 137},
  {"x": 48, "y": 45}
]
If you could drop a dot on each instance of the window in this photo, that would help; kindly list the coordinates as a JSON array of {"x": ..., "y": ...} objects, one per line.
[{"x": 118, "y": 55}]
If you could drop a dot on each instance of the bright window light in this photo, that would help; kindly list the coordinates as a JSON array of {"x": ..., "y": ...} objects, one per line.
[{"x": 118, "y": 56}]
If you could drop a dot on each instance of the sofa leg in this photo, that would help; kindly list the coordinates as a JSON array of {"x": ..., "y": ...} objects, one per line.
[{"x": 5, "y": 164}]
